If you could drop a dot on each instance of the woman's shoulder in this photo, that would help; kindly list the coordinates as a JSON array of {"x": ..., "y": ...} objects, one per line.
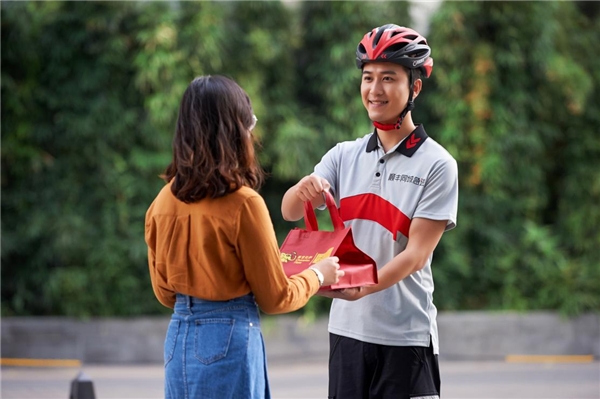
[
  {"x": 246, "y": 192},
  {"x": 241, "y": 197}
]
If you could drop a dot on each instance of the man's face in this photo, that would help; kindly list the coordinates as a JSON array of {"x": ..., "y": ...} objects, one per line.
[{"x": 384, "y": 90}]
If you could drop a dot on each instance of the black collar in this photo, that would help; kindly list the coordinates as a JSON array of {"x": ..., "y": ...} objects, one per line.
[{"x": 408, "y": 147}]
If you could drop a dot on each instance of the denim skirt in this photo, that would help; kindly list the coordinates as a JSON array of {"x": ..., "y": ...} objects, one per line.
[{"x": 215, "y": 350}]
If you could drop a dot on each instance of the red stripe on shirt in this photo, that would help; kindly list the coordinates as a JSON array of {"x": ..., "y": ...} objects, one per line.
[{"x": 373, "y": 207}]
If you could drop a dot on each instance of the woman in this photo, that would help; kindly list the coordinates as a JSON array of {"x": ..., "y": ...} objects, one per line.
[{"x": 212, "y": 250}]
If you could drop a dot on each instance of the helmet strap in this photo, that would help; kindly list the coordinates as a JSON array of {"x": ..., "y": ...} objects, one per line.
[{"x": 410, "y": 105}]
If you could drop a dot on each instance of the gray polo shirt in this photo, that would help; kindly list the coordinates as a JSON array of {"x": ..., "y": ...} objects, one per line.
[{"x": 379, "y": 194}]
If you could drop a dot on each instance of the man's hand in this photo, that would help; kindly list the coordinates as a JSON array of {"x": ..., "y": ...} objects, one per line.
[
  {"x": 348, "y": 294},
  {"x": 311, "y": 187}
]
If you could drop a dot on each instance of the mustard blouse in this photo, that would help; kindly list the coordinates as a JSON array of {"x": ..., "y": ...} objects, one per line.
[{"x": 219, "y": 249}]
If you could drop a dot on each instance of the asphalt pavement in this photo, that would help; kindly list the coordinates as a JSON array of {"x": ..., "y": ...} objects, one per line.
[{"x": 307, "y": 379}]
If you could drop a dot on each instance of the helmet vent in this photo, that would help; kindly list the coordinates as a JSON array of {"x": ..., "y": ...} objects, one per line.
[
  {"x": 395, "y": 47},
  {"x": 377, "y": 37},
  {"x": 419, "y": 54}
]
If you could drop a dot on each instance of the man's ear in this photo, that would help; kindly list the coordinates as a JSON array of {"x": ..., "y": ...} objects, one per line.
[{"x": 417, "y": 86}]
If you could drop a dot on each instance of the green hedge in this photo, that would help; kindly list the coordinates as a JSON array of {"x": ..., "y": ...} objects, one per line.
[{"x": 90, "y": 92}]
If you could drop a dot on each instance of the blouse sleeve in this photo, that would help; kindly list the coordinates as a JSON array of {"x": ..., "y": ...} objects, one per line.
[
  {"x": 259, "y": 253},
  {"x": 158, "y": 272}
]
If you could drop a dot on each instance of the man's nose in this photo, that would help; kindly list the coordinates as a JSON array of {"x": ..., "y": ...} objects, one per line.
[{"x": 376, "y": 87}]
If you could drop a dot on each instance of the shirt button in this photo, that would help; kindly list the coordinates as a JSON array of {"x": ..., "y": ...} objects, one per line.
[
  {"x": 381, "y": 161},
  {"x": 377, "y": 174},
  {"x": 251, "y": 324}
]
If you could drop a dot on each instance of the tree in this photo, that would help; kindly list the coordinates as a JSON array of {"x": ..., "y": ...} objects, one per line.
[
  {"x": 77, "y": 144},
  {"x": 90, "y": 95},
  {"x": 513, "y": 100}
]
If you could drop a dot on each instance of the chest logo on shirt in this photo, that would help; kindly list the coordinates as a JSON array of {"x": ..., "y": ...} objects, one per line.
[{"x": 418, "y": 181}]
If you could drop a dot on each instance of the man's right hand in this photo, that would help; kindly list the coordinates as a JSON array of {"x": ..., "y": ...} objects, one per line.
[{"x": 310, "y": 188}]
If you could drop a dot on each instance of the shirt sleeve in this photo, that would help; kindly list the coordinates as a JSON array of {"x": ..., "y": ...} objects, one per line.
[
  {"x": 158, "y": 271},
  {"x": 439, "y": 200},
  {"x": 328, "y": 168},
  {"x": 259, "y": 253}
]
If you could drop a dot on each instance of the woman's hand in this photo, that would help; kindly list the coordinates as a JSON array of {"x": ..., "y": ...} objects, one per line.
[{"x": 330, "y": 268}]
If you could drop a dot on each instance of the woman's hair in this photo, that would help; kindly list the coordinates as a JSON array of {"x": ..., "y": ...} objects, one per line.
[{"x": 213, "y": 147}]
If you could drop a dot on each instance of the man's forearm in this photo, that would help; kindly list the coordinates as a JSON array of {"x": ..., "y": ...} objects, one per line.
[
  {"x": 424, "y": 236},
  {"x": 292, "y": 208},
  {"x": 402, "y": 266}
]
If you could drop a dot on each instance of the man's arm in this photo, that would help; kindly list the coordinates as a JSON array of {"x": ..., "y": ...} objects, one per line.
[
  {"x": 423, "y": 236},
  {"x": 309, "y": 188}
]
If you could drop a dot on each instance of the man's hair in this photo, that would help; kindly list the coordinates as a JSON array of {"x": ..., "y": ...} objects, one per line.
[
  {"x": 213, "y": 147},
  {"x": 416, "y": 74}
]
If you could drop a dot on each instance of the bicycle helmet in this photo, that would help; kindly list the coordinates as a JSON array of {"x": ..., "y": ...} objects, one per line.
[{"x": 400, "y": 45}]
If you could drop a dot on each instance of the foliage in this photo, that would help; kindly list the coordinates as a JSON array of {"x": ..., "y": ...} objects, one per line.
[
  {"x": 74, "y": 161},
  {"x": 90, "y": 94},
  {"x": 517, "y": 107}
]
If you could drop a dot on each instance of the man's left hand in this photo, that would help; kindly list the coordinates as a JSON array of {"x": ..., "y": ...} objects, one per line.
[{"x": 348, "y": 294}]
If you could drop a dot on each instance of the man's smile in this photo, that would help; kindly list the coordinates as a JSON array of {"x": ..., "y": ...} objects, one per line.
[{"x": 377, "y": 103}]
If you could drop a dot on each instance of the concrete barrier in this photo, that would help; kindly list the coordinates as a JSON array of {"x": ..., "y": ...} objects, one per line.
[
  {"x": 463, "y": 336},
  {"x": 494, "y": 335}
]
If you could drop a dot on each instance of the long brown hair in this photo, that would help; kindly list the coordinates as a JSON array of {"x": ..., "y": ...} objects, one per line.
[{"x": 213, "y": 147}]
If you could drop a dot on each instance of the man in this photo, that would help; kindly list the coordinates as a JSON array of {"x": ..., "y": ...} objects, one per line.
[{"x": 398, "y": 189}]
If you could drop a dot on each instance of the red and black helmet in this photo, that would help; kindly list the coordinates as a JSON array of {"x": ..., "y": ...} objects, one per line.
[{"x": 397, "y": 44}]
